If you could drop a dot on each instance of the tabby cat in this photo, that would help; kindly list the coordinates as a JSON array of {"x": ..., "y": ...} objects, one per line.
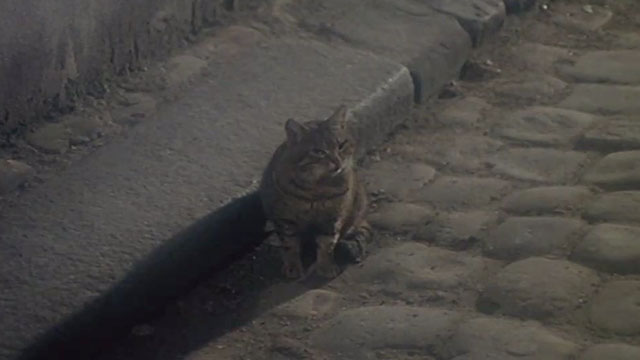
[{"x": 310, "y": 189}]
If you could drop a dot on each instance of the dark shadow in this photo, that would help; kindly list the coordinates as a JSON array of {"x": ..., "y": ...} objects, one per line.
[
  {"x": 207, "y": 280},
  {"x": 211, "y": 244}
]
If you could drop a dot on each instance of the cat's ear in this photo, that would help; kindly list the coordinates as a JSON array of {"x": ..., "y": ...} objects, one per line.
[
  {"x": 338, "y": 121},
  {"x": 295, "y": 131}
]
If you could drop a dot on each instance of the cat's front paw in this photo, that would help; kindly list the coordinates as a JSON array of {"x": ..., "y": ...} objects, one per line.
[{"x": 328, "y": 270}]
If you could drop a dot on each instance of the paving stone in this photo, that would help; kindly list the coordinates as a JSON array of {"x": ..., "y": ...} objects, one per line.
[
  {"x": 397, "y": 178},
  {"x": 84, "y": 128},
  {"x": 612, "y": 135},
  {"x": 50, "y": 138},
  {"x": 522, "y": 237},
  {"x": 614, "y": 66},
  {"x": 617, "y": 171},
  {"x": 358, "y": 333},
  {"x": 135, "y": 107},
  {"x": 457, "y": 230},
  {"x": 315, "y": 303},
  {"x": 626, "y": 40},
  {"x": 543, "y": 126},
  {"x": 464, "y": 112},
  {"x": 604, "y": 99},
  {"x": 539, "y": 57},
  {"x": 480, "y": 18},
  {"x": 401, "y": 216},
  {"x": 547, "y": 200},
  {"x": 420, "y": 269},
  {"x": 616, "y": 308},
  {"x": 500, "y": 339},
  {"x": 617, "y": 207},
  {"x": 534, "y": 88},
  {"x": 517, "y": 6},
  {"x": 573, "y": 16},
  {"x": 450, "y": 150},
  {"x": 407, "y": 32},
  {"x": 13, "y": 174},
  {"x": 538, "y": 164},
  {"x": 612, "y": 248},
  {"x": 611, "y": 352},
  {"x": 449, "y": 192},
  {"x": 538, "y": 288}
]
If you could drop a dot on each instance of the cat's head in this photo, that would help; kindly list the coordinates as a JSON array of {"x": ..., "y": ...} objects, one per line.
[{"x": 321, "y": 151}]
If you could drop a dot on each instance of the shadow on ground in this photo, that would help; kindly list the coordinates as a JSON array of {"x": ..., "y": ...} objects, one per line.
[
  {"x": 202, "y": 253},
  {"x": 204, "y": 282}
]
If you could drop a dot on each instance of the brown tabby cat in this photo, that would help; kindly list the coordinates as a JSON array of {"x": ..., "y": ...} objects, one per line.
[{"x": 310, "y": 188}]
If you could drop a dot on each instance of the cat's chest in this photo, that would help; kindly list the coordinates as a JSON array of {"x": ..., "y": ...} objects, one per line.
[{"x": 317, "y": 212}]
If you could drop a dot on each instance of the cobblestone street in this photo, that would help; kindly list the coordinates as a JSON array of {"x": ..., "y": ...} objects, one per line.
[{"x": 507, "y": 215}]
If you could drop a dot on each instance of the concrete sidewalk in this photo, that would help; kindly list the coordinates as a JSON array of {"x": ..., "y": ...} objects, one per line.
[{"x": 96, "y": 247}]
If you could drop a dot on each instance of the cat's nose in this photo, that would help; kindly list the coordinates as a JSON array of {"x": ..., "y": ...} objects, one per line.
[{"x": 335, "y": 162}]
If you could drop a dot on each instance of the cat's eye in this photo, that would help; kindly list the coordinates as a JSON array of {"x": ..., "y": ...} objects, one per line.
[{"x": 318, "y": 152}]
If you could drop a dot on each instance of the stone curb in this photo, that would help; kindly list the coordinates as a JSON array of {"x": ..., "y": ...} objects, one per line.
[{"x": 81, "y": 261}]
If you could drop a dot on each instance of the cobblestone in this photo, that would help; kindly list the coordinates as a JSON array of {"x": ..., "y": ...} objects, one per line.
[
  {"x": 543, "y": 126},
  {"x": 358, "y": 333},
  {"x": 547, "y": 200},
  {"x": 618, "y": 66},
  {"x": 616, "y": 308},
  {"x": 522, "y": 237},
  {"x": 455, "y": 152},
  {"x": 612, "y": 248},
  {"x": 612, "y": 135},
  {"x": 617, "y": 171},
  {"x": 458, "y": 230},
  {"x": 604, "y": 99},
  {"x": 539, "y": 57},
  {"x": 617, "y": 207},
  {"x": 401, "y": 216},
  {"x": 574, "y": 16},
  {"x": 611, "y": 352},
  {"x": 539, "y": 88},
  {"x": 453, "y": 193},
  {"x": 413, "y": 269},
  {"x": 383, "y": 175},
  {"x": 538, "y": 288},
  {"x": 498, "y": 339},
  {"x": 538, "y": 164}
]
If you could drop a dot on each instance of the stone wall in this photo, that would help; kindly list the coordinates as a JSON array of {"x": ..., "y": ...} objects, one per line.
[{"x": 54, "y": 51}]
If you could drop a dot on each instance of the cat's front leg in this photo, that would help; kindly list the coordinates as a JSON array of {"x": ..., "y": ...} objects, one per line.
[
  {"x": 325, "y": 265},
  {"x": 292, "y": 267}
]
